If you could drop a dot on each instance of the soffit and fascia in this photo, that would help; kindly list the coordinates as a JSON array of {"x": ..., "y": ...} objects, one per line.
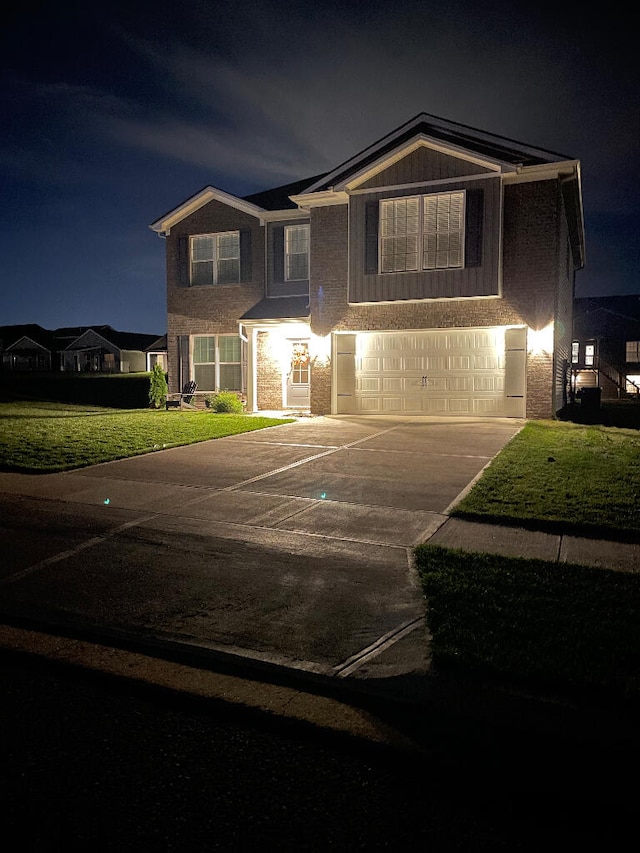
[
  {"x": 164, "y": 225},
  {"x": 514, "y": 162},
  {"x": 374, "y": 160}
]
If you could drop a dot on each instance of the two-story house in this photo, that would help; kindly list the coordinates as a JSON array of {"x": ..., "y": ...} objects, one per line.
[{"x": 431, "y": 273}]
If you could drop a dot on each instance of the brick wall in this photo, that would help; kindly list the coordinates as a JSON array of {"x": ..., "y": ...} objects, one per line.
[
  {"x": 269, "y": 375},
  {"x": 529, "y": 285},
  {"x": 320, "y": 387},
  {"x": 209, "y": 310},
  {"x": 531, "y": 275}
]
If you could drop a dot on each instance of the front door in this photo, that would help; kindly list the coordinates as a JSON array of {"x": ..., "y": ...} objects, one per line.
[{"x": 297, "y": 393}]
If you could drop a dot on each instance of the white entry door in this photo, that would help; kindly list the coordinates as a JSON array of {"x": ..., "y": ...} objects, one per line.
[{"x": 297, "y": 390}]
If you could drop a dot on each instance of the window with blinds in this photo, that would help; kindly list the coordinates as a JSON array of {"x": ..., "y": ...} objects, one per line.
[
  {"x": 218, "y": 362},
  {"x": 296, "y": 252},
  {"x": 422, "y": 232},
  {"x": 215, "y": 258}
]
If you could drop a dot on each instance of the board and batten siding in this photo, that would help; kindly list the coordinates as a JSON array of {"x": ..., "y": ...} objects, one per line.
[
  {"x": 482, "y": 228},
  {"x": 422, "y": 165}
]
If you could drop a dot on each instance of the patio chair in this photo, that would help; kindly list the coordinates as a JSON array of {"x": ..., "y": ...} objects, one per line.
[{"x": 183, "y": 398}]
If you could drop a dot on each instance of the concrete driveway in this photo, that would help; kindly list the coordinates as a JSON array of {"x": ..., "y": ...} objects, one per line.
[{"x": 289, "y": 545}]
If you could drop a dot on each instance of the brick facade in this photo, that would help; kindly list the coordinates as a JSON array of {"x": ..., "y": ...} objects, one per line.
[
  {"x": 530, "y": 283},
  {"x": 533, "y": 277},
  {"x": 209, "y": 310}
]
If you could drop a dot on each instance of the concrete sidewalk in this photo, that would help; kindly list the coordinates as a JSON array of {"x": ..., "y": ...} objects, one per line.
[
  {"x": 340, "y": 497},
  {"x": 512, "y": 541}
]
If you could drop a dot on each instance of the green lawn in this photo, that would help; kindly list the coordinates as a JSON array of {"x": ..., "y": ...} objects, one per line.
[
  {"x": 39, "y": 437},
  {"x": 555, "y": 473},
  {"x": 538, "y": 625}
]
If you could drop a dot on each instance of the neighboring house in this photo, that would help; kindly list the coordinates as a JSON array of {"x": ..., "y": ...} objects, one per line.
[
  {"x": 431, "y": 273},
  {"x": 157, "y": 353},
  {"x": 105, "y": 350},
  {"x": 29, "y": 347},
  {"x": 26, "y": 347},
  {"x": 606, "y": 345}
]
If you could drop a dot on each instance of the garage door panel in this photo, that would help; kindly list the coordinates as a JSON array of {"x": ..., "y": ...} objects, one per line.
[
  {"x": 369, "y": 383},
  {"x": 455, "y": 372},
  {"x": 459, "y": 362},
  {"x": 459, "y": 383}
]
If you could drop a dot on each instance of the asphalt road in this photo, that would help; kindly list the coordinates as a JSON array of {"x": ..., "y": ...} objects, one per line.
[{"x": 94, "y": 763}]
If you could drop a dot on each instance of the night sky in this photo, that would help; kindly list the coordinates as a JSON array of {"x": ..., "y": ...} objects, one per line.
[{"x": 112, "y": 116}]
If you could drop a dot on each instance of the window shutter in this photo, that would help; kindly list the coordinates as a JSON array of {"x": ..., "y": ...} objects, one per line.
[
  {"x": 183, "y": 260},
  {"x": 278, "y": 253},
  {"x": 245, "y": 254},
  {"x": 473, "y": 236},
  {"x": 371, "y": 216},
  {"x": 184, "y": 368}
]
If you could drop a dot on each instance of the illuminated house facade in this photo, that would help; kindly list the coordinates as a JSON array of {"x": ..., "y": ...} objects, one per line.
[{"x": 432, "y": 273}]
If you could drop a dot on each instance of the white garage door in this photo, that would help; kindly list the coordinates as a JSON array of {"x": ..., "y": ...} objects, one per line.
[{"x": 437, "y": 372}]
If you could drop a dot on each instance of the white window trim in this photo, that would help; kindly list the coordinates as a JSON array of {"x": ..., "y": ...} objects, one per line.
[
  {"x": 420, "y": 234},
  {"x": 287, "y": 254},
  {"x": 215, "y": 259},
  {"x": 217, "y": 363}
]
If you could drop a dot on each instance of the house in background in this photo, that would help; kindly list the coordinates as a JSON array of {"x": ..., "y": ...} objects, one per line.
[
  {"x": 431, "y": 273},
  {"x": 606, "y": 346},
  {"x": 157, "y": 353},
  {"x": 105, "y": 350},
  {"x": 102, "y": 349},
  {"x": 26, "y": 347}
]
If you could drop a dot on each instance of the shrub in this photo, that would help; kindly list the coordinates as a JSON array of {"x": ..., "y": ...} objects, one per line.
[
  {"x": 225, "y": 401},
  {"x": 158, "y": 389}
]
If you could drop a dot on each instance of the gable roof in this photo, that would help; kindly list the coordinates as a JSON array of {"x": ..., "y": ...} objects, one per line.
[
  {"x": 609, "y": 316},
  {"x": 27, "y": 344},
  {"x": 453, "y": 136},
  {"x": 157, "y": 345},
  {"x": 10, "y": 335},
  {"x": 164, "y": 224},
  {"x": 120, "y": 340},
  {"x": 517, "y": 160}
]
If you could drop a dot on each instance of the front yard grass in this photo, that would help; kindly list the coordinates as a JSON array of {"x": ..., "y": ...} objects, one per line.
[
  {"x": 533, "y": 624},
  {"x": 41, "y": 437},
  {"x": 562, "y": 475}
]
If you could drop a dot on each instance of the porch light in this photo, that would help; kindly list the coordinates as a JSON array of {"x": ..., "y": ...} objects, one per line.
[
  {"x": 320, "y": 348},
  {"x": 540, "y": 341}
]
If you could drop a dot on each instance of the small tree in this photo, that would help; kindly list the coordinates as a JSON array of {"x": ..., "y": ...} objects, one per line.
[{"x": 158, "y": 389}]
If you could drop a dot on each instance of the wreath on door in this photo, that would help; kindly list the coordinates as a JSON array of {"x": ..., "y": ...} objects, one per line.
[{"x": 300, "y": 355}]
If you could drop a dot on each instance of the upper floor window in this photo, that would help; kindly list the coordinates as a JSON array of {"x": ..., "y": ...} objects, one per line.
[
  {"x": 296, "y": 252},
  {"x": 633, "y": 350},
  {"x": 575, "y": 352},
  {"x": 422, "y": 232},
  {"x": 589, "y": 354},
  {"x": 215, "y": 258}
]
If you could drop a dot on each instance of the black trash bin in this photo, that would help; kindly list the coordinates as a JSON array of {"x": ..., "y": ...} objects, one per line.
[{"x": 590, "y": 398}]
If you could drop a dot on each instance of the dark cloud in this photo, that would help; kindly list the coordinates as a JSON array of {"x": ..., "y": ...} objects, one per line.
[{"x": 113, "y": 114}]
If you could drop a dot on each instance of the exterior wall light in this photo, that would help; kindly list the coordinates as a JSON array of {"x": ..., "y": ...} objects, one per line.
[
  {"x": 540, "y": 341},
  {"x": 320, "y": 349}
]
